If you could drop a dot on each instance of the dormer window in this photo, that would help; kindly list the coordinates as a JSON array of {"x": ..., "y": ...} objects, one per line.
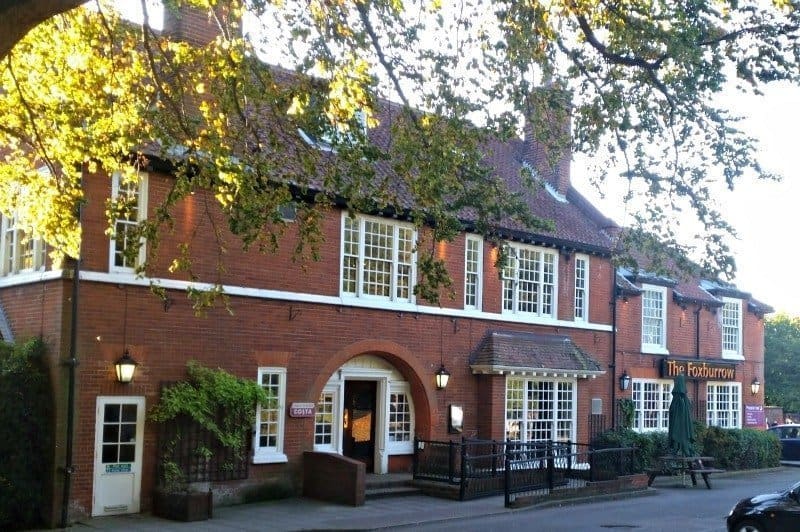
[{"x": 326, "y": 136}]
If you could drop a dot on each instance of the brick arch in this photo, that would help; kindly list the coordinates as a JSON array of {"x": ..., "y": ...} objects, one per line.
[{"x": 419, "y": 378}]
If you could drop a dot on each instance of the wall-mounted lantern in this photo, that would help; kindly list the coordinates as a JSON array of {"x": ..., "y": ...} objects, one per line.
[
  {"x": 125, "y": 368},
  {"x": 755, "y": 386},
  {"x": 624, "y": 381},
  {"x": 442, "y": 378}
]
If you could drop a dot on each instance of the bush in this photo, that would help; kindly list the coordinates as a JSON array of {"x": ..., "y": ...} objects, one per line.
[
  {"x": 732, "y": 449},
  {"x": 26, "y": 438}
]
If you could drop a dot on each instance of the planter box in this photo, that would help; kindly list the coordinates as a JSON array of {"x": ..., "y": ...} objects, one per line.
[{"x": 182, "y": 505}]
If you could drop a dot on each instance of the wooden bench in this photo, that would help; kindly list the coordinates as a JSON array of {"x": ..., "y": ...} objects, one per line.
[
  {"x": 704, "y": 472},
  {"x": 693, "y": 466}
]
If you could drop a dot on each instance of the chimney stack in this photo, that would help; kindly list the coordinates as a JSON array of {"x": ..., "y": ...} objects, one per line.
[
  {"x": 191, "y": 24},
  {"x": 547, "y": 135}
]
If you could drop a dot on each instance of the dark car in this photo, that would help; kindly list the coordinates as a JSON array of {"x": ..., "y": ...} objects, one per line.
[
  {"x": 779, "y": 512},
  {"x": 790, "y": 441}
]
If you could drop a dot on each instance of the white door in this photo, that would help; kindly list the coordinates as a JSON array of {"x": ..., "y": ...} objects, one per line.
[{"x": 118, "y": 442}]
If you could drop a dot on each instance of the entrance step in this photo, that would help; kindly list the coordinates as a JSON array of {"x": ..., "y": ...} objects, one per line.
[{"x": 391, "y": 485}]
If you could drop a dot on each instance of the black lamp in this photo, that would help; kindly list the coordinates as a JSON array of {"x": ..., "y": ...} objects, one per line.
[
  {"x": 624, "y": 381},
  {"x": 755, "y": 386},
  {"x": 442, "y": 377},
  {"x": 125, "y": 368}
]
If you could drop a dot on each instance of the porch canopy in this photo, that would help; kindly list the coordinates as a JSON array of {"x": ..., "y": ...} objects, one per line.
[{"x": 534, "y": 354}]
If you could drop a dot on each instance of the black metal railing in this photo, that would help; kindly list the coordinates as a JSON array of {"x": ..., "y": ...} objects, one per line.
[
  {"x": 561, "y": 471},
  {"x": 478, "y": 467}
]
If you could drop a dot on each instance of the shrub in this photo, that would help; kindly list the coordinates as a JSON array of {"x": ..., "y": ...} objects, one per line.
[
  {"x": 732, "y": 449},
  {"x": 26, "y": 438}
]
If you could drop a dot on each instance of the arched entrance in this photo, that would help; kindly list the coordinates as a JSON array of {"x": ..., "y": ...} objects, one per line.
[{"x": 366, "y": 412}]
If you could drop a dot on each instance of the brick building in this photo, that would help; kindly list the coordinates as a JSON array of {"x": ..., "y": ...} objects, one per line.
[{"x": 534, "y": 352}]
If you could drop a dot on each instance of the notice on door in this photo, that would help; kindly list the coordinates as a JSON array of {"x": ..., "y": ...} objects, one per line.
[{"x": 118, "y": 468}]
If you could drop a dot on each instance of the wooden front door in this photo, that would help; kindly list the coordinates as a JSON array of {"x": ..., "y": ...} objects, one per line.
[{"x": 359, "y": 421}]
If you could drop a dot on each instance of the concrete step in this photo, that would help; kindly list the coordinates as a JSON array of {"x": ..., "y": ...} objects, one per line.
[{"x": 394, "y": 491}]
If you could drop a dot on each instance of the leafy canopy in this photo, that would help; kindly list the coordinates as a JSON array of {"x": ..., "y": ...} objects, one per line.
[
  {"x": 84, "y": 90},
  {"x": 781, "y": 358}
]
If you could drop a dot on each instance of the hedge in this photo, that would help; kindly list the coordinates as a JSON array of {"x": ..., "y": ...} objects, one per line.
[
  {"x": 732, "y": 449},
  {"x": 26, "y": 438}
]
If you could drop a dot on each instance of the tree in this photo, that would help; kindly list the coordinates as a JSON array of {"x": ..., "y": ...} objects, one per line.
[
  {"x": 781, "y": 360},
  {"x": 639, "y": 82}
]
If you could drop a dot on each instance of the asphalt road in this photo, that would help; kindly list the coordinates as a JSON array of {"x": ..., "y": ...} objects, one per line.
[{"x": 671, "y": 507}]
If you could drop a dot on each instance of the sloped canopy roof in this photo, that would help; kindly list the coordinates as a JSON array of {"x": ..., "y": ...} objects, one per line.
[{"x": 515, "y": 352}]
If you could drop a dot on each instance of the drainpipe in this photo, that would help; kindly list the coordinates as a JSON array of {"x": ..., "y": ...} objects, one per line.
[
  {"x": 72, "y": 363},
  {"x": 613, "y": 346},
  {"x": 697, "y": 355}
]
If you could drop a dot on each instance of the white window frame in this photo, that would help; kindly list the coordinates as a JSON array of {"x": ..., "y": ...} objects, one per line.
[
  {"x": 351, "y": 261},
  {"x": 581, "y": 300},
  {"x": 513, "y": 294},
  {"x": 141, "y": 215},
  {"x": 562, "y": 422},
  {"x": 724, "y": 404},
  {"x": 271, "y": 454},
  {"x": 403, "y": 446},
  {"x": 651, "y": 399},
  {"x": 333, "y": 390},
  {"x": 473, "y": 272},
  {"x": 15, "y": 242},
  {"x": 725, "y": 319},
  {"x": 661, "y": 346}
]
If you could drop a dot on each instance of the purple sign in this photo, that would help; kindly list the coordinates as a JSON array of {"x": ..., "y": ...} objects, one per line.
[{"x": 754, "y": 416}]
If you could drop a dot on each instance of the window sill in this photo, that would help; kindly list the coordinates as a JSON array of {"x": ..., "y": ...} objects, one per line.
[
  {"x": 732, "y": 356},
  {"x": 654, "y": 350},
  {"x": 270, "y": 458}
]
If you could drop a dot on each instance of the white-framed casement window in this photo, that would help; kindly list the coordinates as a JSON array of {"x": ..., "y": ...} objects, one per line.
[
  {"x": 529, "y": 281},
  {"x": 581, "y": 288},
  {"x": 651, "y": 399},
  {"x": 540, "y": 409},
  {"x": 268, "y": 446},
  {"x": 654, "y": 319},
  {"x": 400, "y": 433},
  {"x": 473, "y": 272},
  {"x": 326, "y": 417},
  {"x": 129, "y": 199},
  {"x": 724, "y": 404},
  {"x": 377, "y": 258},
  {"x": 20, "y": 252},
  {"x": 731, "y": 325}
]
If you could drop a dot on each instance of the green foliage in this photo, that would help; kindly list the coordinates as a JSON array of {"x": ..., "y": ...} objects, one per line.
[
  {"x": 641, "y": 82},
  {"x": 221, "y": 403},
  {"x": 741, "y": 448},
  {"x": 781, "y": 360},
  {"x": 627, "y": 410},
  {"x": 26, "y": 438},
  {"x": 732, "y": 449}
]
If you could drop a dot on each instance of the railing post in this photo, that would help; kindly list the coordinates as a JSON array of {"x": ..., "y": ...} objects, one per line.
[
  {"x": 494, "y": 458},
  {"x": 507, "y": 475},
  {"x": 550, "y": 465},
  {"x": 451, "y": 461},
  {"x": 591, "y": 464}
]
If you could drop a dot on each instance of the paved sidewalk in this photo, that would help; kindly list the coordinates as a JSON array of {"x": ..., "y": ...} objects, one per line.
[{"x": 308, "y": 514}]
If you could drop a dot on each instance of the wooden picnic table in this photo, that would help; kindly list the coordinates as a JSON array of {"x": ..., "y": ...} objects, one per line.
[{"x": 672, "y": 465}]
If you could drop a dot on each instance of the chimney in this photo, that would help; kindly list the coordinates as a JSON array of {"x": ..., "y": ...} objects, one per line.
[
  {"x": 193, "y": 25},
  {"x": 548, "y": 141}
]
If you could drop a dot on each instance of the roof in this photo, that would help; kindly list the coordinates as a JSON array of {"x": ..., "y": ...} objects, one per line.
[{"x": 510, "y": 352}]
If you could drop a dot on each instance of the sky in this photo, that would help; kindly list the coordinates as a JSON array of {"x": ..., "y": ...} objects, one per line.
[{"x": 764, "y": 214}]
